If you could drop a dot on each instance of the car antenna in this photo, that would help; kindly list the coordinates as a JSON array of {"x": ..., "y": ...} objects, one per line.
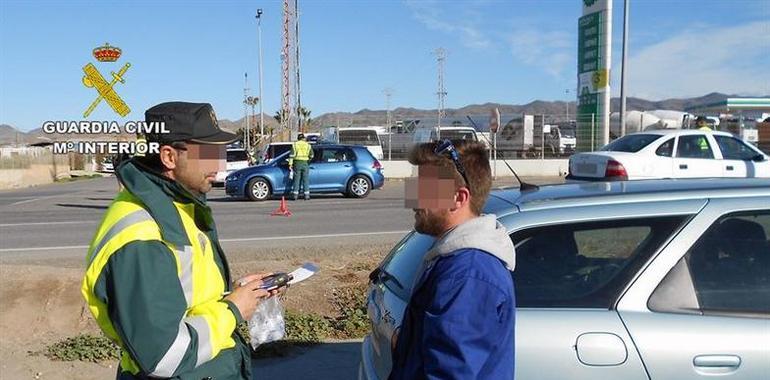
[{"x": 523, "y": 186}]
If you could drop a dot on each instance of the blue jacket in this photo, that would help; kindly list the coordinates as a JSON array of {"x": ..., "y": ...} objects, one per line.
[{"x": 459, "y": 323}]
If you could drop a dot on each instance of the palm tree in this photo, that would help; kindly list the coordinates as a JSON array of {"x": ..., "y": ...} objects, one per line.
[
  {"x": 280, "y": 116},
  {"x": 304, "y": 114}
]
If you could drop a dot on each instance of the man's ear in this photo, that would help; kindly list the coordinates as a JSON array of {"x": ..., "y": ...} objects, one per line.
[
  {"x": 462, "y": 197},
  {"x": 169, "y": 157}
]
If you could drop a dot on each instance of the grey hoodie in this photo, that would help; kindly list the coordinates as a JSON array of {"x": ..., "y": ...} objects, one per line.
[{"x": 483, "y": 233}]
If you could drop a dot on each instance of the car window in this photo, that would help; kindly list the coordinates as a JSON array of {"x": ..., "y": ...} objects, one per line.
[
  {"x": 403, "y": 262},
  {"x": 727, "y": 270},
  {"x": 630, "y": 143},
  {"x": 335, "y": 155},
  {"x": 456, "y": 136},
  {"x": 236, "y": 155},
  {"x": 359, "y": 137},
  {"x": 584, "y": 264},
  {"x": 694, "y": 146},
  {"x": 734, "y": 149},
  {"x": 317, "y": 155},
  {"x": 666, "y": 149},
  {"x": 275, "y": 150}
]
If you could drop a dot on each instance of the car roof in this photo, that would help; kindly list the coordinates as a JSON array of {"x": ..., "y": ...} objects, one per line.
[
  {"x": 667, "y": 132},
  {"x": 335, "y": 145},
  {"x": 582, "y": 194}
]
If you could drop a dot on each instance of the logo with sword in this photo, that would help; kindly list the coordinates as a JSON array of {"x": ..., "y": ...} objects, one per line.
[{"x": 94, "y": 78}]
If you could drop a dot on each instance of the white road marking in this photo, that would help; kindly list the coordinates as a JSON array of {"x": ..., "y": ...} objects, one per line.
[
  {"x": 223, "y": 240},
  {"x": 45, "y": 224},
  {"x": 23, "y": 202}
]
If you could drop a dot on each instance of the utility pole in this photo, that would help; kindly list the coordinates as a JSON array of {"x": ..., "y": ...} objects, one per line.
[
  {"x": 300, "y": 116},
  {"x": 388, "y": 92},
  {"x": 623, "y": 70},
  {"x": 567, "y": 93},
  {"x": 288, "y": 62},
  {"x": 247, "y": 127},
  {"x": 440, "y": 56},
  {"x": 261, "y": 111}
]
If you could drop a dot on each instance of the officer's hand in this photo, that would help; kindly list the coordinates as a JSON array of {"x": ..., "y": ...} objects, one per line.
[{"x": 247, "y": 296}]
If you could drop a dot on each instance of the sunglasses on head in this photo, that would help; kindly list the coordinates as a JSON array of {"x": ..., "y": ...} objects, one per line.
[{"x": 446, "y": 147}]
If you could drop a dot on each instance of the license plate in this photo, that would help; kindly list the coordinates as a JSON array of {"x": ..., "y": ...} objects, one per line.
[{"x": 586, "y": 168}]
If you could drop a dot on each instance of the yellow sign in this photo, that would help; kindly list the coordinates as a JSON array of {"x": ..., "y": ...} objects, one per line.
[
  {"x": 599, "y": 79},
  {"x": 94, "y": 78}
]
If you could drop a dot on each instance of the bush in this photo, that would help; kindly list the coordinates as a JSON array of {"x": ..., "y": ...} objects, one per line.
[{"x": 84, "y": 347}]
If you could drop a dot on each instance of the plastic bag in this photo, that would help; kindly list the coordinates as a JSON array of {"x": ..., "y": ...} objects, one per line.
[
  {"x": 291, "y": 174},
  {"x": 267, "y": 324}
]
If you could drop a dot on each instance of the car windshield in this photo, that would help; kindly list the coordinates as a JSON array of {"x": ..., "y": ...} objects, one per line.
[
  {"x": 404, "y": 260},
  {"x": 568, "y": 132},
  {"x": 359, "y": 137},
  {"x": 630, "y": 143},
  {"x": 456, "y": 136}
]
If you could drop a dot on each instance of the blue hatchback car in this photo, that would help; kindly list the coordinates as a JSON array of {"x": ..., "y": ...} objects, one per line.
[{"x": 346, "y": 169}]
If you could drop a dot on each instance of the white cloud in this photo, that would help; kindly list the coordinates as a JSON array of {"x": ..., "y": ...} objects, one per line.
[
  {"x": 433, "y": 15},
  {"x": 697, "y": 61},
  {"x": 552, "y": 51}
]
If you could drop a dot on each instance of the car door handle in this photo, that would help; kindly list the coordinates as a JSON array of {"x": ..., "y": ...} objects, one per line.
[
  {"x": 683, "y": 166},
  {"x": 712, "y": 361},
  {"x": 730, "y": 167},
  {"x": 347, "y": 165}
]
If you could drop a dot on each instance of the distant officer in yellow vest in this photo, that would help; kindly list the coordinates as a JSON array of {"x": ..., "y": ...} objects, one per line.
[
  {"x": 702, "y": 124},
  {"x": 157, "y": 280},
  {"x": 301, "y": 154}
]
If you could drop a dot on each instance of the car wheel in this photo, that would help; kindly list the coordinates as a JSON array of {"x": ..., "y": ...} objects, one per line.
[
  {"x": 359, "y": 186},
  {"x": 258, "y": 189}
]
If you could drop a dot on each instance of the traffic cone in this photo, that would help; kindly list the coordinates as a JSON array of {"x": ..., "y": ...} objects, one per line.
[{"x": 283, "y": 210}]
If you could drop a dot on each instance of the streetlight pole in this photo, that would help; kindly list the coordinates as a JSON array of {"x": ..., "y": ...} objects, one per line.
[
  {"x": 623, "y": 70},
  {"x": 567, "y": 104},
  {"x": 261, "y": 114}
]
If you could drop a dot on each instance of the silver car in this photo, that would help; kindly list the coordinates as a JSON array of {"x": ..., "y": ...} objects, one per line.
[{"x": 622, "y": 280}]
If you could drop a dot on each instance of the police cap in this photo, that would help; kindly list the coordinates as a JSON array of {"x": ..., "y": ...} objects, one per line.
[{"x": 194, "y": 122}]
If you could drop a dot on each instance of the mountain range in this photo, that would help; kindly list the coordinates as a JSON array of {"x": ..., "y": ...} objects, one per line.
[{"x": 365, "y": 117}]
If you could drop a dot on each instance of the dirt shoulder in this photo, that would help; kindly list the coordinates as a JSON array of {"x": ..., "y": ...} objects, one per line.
[{"x": 40, "y": 303}]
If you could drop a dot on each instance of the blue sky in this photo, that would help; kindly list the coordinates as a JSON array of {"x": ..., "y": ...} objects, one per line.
[{"x": 498, "y": 51}]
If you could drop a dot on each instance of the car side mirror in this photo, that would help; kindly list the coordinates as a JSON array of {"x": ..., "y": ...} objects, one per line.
[{"x": 758, "y": 158}]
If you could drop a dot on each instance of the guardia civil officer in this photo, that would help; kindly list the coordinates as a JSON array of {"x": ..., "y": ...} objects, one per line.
[
  {"x": 301, "y": 154},
  {"x": 156, "y": 274}
]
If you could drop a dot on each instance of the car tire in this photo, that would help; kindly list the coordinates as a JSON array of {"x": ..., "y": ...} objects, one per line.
[
  {"x": 359, "y": 186},
  {"x": 258, "y": 189}
]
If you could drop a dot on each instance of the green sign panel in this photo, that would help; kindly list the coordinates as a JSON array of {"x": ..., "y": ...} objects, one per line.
[{"x": 592, "y": 79}]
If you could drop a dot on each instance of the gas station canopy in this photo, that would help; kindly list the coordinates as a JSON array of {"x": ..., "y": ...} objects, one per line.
[{"x": 733, "y": 105}]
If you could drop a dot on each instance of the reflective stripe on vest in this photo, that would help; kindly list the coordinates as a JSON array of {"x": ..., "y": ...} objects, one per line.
[
  {"x": 129, "y": 220},
  {"x": 173, "y": 357}
]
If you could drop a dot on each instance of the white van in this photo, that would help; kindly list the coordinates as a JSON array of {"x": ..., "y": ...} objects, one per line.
[
  {"x": 236, "y": 159},
  {"x": 364, "y": 136}
]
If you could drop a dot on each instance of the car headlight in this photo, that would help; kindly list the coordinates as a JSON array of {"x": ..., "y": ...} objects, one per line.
[{"x": 233, "y": 177}]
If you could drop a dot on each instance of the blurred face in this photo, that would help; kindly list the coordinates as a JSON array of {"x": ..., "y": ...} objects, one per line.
[
  {"x": 196, "y": 165},
  {"x": 431, "y": 195}
]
